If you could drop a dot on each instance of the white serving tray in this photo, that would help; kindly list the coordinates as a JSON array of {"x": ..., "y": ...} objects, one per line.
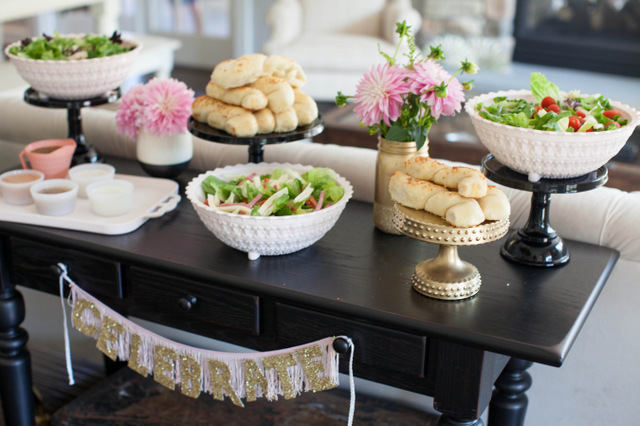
[{"x": 152, "y": 197}]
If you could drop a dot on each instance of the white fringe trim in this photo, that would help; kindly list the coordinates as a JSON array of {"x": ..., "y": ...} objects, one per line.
[{"x": 235, "y": 361}]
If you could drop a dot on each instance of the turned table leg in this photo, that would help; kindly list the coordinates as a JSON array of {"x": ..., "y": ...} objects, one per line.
[
  {"x": 15, "y": 363},
  {"x": 508, "y": 404}
]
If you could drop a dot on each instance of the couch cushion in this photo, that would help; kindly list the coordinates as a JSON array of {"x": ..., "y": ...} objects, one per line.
[{"x": 344, "y": 52}]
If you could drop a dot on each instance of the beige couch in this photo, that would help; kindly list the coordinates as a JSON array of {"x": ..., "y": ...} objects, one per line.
[{"x": 598, "y": 383}]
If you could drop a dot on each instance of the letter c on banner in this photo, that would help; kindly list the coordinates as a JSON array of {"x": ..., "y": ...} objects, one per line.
[{"x": 78, "y": 308}]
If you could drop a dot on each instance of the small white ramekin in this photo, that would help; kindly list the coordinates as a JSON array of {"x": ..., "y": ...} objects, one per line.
[
  {"x": 15, "y": 190},
  {"x": 55, "y": 197},
  {"x": 85, "y": 174},
  {"x": 110, "y": 197}
]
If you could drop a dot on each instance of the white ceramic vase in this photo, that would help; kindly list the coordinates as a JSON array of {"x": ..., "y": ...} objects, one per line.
[{"x": 164, "y": 156}]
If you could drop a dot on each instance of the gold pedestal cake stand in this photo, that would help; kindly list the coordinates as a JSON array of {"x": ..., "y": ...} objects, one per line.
[{"x": 446, "y": 276}]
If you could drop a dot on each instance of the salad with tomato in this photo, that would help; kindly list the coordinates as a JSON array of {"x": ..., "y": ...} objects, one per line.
[
  {"x": 554, "y": 111},
  {"x": 283, "y": 192}
]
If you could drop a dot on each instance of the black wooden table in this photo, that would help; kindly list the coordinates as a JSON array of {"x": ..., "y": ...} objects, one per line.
[{"x": 355, "y": 281}]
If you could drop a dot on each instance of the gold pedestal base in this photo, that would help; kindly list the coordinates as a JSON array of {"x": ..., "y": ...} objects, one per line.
[{"x": 446, "y": 276}]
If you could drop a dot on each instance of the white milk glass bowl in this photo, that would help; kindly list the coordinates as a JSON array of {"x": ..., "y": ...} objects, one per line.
[
  {"x": 270, "y": 235},
  {"x": 547, "y": 154}
]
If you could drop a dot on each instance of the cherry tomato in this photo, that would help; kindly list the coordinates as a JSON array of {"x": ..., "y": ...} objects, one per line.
[
  {"x": 615, "y": 123},
  {"x": 574, "y": 121},
  {"x": 581, "y": 114},
  {"x": 553, "y": 107},
  {"x": 611, "y": 113},
  {"x": 547, "y": 101}
]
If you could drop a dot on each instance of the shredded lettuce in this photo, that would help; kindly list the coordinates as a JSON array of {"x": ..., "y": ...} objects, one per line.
[{"x": 283, "y": 192}]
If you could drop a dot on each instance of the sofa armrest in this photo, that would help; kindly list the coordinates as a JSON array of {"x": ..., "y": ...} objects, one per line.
[{"x": 284, "y": 19}]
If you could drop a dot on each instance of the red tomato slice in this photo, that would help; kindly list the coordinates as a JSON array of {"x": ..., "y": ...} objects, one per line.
[
  {"x": 547, "y": 101},
  {"x": 611, "y": 114},
  {"x": 553, "y": 107},
  {"x": 574, "y": 121}
]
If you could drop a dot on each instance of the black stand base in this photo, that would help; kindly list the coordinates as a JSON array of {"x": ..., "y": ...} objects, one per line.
[
  {"x": 521, "y": 249},
  {"x": 538, "y": 244},
  {"x": 85, "y": 153},
  {"x": 164, "y": 171}
]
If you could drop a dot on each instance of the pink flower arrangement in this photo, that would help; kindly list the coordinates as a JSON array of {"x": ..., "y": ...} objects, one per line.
[
  {"x": 402, "y": 102},
  {"x": 161, "y": 107}
]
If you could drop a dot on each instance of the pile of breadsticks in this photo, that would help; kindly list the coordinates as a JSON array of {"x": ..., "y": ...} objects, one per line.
[
  {"x": 460, "y": 195},
  {"x": 256, "y": 94}
]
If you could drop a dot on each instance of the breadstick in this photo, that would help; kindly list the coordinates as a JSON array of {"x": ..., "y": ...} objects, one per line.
[
  {"x": 239, "y": 72},
  {"x": 468, "y": 182},
  {"x": 495, "y": 204},
  {"x": 278, "y": 92},
  {"x": 411, "y": 192},
  {"x": 305, "y": 107},
  {"x": 247, "y": 97}
]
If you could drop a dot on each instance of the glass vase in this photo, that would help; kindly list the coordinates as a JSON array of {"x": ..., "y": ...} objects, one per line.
[{"x": 391, "y": 158}]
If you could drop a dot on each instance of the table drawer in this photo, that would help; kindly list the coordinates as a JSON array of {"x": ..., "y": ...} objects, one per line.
[
  {"x": 191, "y": 305},
  {"x": 375, "y": 346},
  {"x": 31, "y": 264}
]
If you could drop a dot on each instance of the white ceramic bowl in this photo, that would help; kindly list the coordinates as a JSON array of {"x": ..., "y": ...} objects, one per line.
[
  {"x": 76, "y": 79},
  {"x": 110, "y": 197},
  {"x": 268, "y": 236},
  {"x": 85, "y": 174},
  {"x": 55, "y": 197},
  {"x": 547, "y": 154},
  {"x": 15, "y": 185}
]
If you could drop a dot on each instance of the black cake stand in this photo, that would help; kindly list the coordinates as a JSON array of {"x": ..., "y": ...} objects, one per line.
[
  {"x": 538, "y": 244},
  {"x": 256, "y": 143},
  {"x": 85, "y": 153}
]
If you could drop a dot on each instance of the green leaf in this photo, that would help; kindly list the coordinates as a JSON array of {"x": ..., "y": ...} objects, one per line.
[
  {"x": 541, "y": 87},
  {"x": 397, "y": 133}
]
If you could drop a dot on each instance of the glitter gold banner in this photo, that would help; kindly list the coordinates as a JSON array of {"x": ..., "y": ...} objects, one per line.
[{"x": 236, "y": 376}]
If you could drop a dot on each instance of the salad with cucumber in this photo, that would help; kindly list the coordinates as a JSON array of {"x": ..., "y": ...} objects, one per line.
[
  {"x": 62, "y": 48},
  {"x": 554, "y": 111},
  {"x": 283, "y": 192}
]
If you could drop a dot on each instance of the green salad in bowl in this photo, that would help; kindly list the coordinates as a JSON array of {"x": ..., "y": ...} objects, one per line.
[
  {"x": 547, "y": 133},
  {"x": 269, "y": 209},
  {"x": 553, "y": 110},
  {"x": 282, "y": 192},
  {"x": 74, "y": 66},
  {"x": 63, "y": 48}
]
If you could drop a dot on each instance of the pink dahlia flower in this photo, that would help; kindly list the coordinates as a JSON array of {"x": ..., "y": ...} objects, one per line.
[
  {"x": 429, "y": 74},
  {"x": 380, "y": 94},
  {"x": 167, "y": 106},
  {"x": 129, "y": 117}
]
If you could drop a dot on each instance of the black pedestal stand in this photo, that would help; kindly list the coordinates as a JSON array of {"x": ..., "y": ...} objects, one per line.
[
  {"x": 538, "y": 244},
  {"x": 85, "y": 153},
  {"x": 256, "y": 143}
]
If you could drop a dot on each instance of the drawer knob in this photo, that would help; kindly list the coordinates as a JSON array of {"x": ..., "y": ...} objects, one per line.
[
  {"x": 187, "y": 302},
  {"x": 341, "y": 346}
]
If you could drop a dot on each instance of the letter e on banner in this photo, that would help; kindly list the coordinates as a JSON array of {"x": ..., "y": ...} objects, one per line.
[
  {"x": 313, "y": 368},
  {"x": 109, "y": 333}
]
